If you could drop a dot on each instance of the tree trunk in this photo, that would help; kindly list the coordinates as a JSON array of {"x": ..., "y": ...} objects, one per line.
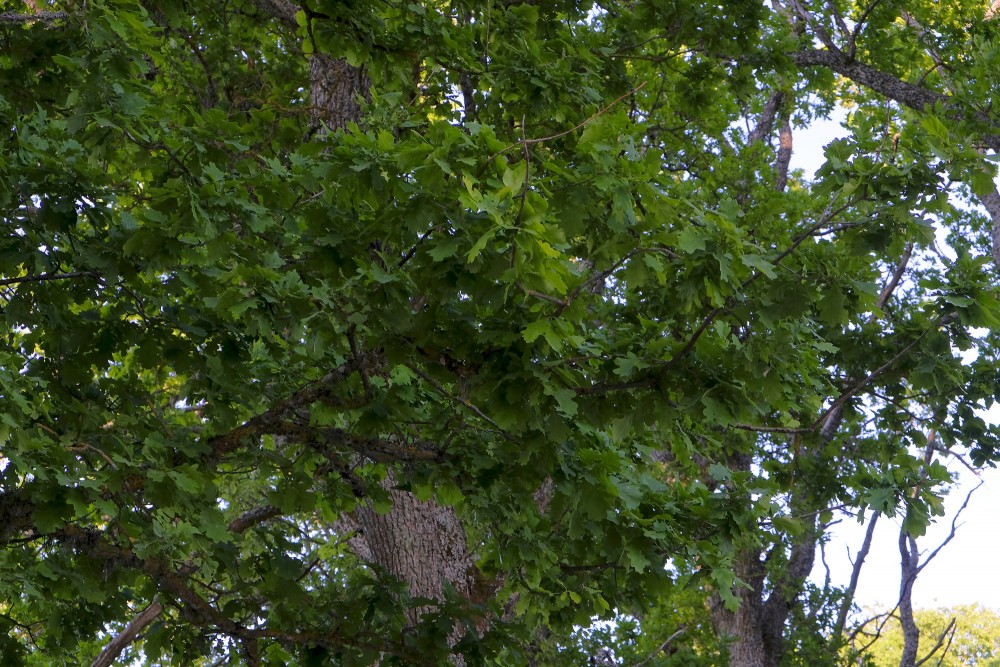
[
  {"x": 335, "y": 88},
  {"x": 740, "y": 630},
  {"x": 422, "y": 544},
  {"x": 419, "y": 543}
]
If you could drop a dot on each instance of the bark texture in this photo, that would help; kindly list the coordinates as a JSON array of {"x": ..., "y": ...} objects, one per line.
[
  {"x": 741, "y": 629},
  {"x": 336, "y": 88},
  {"x": 910, "y": 565},
  {"x": 420, "y": 543},
  {"x": 991, "y": 202}
]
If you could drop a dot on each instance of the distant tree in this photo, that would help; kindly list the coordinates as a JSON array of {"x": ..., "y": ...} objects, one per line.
[{"x": 963, "y": 636}]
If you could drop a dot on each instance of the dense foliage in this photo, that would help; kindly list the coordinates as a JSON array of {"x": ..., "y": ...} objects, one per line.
[{"x": 348, "y": 332}]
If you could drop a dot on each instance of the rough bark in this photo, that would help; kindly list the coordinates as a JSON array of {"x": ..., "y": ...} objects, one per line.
[
  {"x": 784, "y": 158},
  {"x": 991, "y": 202},
  {"x": 336, "y": 88},
  {"x": 910, "y": 563},
  {"x": 420, "y": 543},
  {"x": 741, "y": 629}
]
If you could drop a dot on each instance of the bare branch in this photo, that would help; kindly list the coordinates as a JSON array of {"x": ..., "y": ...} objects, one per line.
[
  {"x": 14, "y": 18},
  {"x": 121, "y": 641},
  {"x": 852, "y": 587},
  {"x": 681, "y": 630},
  {"x": 949, "y": 632},
  {"x": 954, "y": 528}
]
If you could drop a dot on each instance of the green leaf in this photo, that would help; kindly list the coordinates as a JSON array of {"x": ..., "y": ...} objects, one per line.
[{"x": 759, "y": 263}]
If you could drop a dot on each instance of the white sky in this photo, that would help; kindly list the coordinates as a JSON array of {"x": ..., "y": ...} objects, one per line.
[{"x": 963, "y": 572}]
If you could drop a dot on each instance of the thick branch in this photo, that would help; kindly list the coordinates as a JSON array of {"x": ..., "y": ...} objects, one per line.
[
  {"x": 765, "y": 123},
  {"x": 121, "y": 641},
  {"x": 283, "y": 10},
  {"x": 127, "y": 636},
  {"x": 784, "y": 158},
  {"x": 991, "y": 202},
  {"x": 276, "y": 419},
  {"x": 909, "y": 558},
  {"x": 253, "y": 517},
  {"x": 907, "y": 94}
]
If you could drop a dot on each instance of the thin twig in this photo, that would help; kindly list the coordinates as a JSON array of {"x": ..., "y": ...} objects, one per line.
[
  {"x": 527, "y": 142},
  {"x": 952, "y": 532},
  {"x": 681, "y": 630},
  {"x": 468, "y": 404},
  {"x": 948, "y": 632},
  {"x": 49, "y": 276}
]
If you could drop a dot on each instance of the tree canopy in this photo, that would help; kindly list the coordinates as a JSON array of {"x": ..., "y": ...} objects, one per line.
[{"x": 446, "y": 332}]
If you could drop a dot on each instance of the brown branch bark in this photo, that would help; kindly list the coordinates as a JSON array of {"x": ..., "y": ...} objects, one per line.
[
  {"x": 907, "y": 94},
  {"x": 852, "y": 587},
  {"x": 784, "y": 158},
  {"x": 274, "y": 420},
  {"x": 991, "y": 202},
  {"x": 283, "y": 10},
  {"x": 121, "y": 641},
  {"x": 765, "y": 123},
  {"x": 128, "y": 635},
  {"x": 909, "y": 564}
]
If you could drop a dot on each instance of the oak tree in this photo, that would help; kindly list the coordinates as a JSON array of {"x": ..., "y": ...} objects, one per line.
[{"x": 427, "y": 333}]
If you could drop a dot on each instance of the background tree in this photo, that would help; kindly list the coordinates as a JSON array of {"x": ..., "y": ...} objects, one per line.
[
  {"x": 964, "y": 635},
  {"x": 344, "y": 333}
]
